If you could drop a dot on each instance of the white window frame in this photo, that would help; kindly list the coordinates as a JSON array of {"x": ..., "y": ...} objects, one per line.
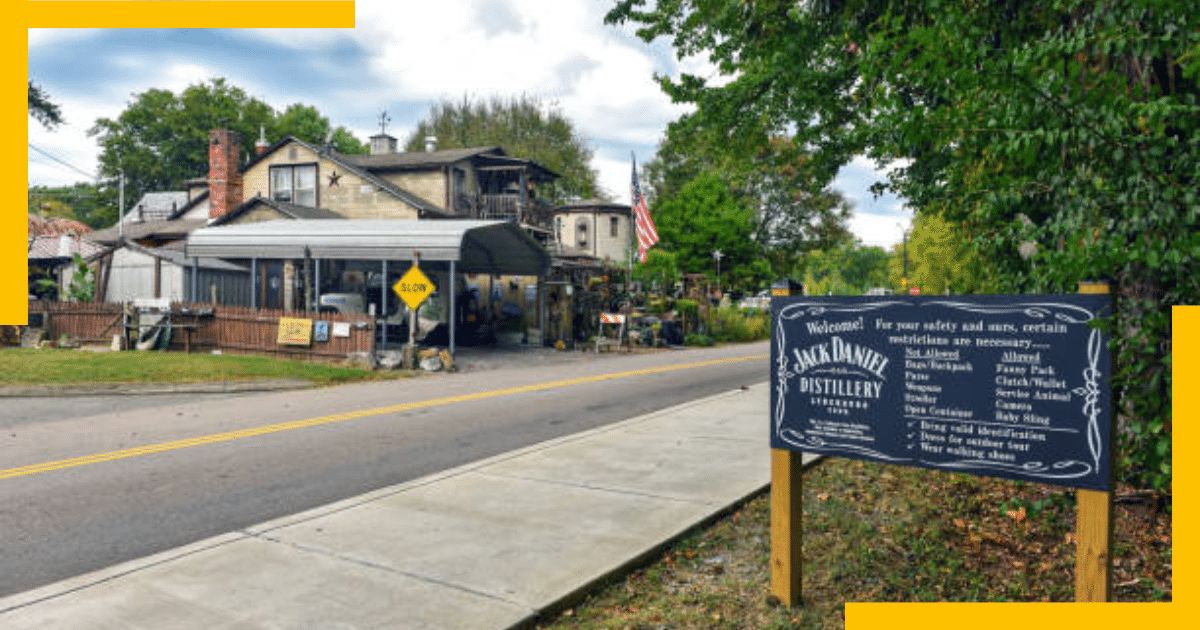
[{"x": 288, "y": 174}]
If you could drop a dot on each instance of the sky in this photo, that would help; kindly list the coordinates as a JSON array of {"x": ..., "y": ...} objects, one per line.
[{"x": 600, "y": 77}]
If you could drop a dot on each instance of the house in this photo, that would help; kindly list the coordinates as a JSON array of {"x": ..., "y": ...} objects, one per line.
[
  {"x": 50, "y": 258},
  {"x": 594, "y": 227},
  {"x": 156, "y": 206},
  {"x": 294, "y": 182}
]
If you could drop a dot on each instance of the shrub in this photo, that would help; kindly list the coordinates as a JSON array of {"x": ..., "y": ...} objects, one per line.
[{"x": 734, "y": 324}]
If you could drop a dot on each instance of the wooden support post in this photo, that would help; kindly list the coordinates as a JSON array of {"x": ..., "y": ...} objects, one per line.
[
  {"x": 1093, "y": 546},
  {"x": 1094, "y": 523},
  {"x": 786, "y": 530}
]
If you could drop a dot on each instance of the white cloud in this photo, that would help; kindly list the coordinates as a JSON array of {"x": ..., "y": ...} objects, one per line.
[
  {"x": 883, "y": 230},
  {"x": 303, "y": 39},
  {"x": 68, "y": 141},
  {"x": 600, "y": 76},
  {"x": 47, "y": 36}
]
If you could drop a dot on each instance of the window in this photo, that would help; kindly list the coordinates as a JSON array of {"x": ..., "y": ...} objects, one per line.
[
  {"x": 612, "y": 226},
  {"x": 295, "y": 184}
]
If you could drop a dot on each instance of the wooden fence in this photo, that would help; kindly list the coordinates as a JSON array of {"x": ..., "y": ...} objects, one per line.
[{"x": 208, "y": 327}]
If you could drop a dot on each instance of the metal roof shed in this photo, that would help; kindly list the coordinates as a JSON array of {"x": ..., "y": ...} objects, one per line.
[
  {"x": 489, "y": 247},
  {"x": 492, "y": 247}
]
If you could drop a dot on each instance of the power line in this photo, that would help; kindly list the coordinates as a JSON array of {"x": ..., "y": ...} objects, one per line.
[{"x": 62, "y": 161}]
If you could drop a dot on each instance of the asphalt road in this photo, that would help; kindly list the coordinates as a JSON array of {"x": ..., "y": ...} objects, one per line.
[{"x": 81, "y": 493}]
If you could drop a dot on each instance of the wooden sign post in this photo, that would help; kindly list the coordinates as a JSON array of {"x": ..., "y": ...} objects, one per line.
[
  {"x": 1012, "y": 386},
  {"x": 787, "y": 532},
  {"x": 1094, "y": 524}
]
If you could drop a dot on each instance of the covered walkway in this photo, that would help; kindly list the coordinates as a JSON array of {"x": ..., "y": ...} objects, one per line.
[{"x": 439, "y": 246}]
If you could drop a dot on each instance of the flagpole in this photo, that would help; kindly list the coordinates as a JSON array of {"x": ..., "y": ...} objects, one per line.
[{"x": 632, "y": 220}]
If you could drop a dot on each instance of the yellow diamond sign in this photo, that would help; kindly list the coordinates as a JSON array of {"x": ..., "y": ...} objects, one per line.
[{"x": 413, "y": 287}]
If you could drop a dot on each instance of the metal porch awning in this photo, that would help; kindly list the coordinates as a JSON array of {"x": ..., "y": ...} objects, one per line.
[{"x": 491, "y": 247}]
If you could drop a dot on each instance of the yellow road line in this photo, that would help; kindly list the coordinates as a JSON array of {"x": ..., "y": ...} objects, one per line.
[{"x": 215, "y": 438}]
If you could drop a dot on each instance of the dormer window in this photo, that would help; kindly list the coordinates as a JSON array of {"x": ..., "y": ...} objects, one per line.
[{"x": 295, "y": 184}]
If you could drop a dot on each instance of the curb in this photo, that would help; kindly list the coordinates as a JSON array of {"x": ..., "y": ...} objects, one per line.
[{"x": 133, "y": 389}]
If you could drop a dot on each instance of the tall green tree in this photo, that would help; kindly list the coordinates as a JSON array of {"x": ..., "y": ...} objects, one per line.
[
  {"x": 524, "y": 127},
  {"x": 161, "y": 138},
  {"x": 1080, "y": 115},
  {"x": 706, "y": 217},
  {"x": 941, "y": 258},
  {"x": 790, "y": 218},
  {"x": 306, "y": 122},
  {"x": 42, "y": 108}
]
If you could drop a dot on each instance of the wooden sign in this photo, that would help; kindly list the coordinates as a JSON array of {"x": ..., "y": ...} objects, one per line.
[
  {"x": 1008, "y": 386},
  {"x": 295, "y": 332}
]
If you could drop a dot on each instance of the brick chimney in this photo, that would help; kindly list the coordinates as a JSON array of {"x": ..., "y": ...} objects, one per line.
[{"x": 224, "y": 177}]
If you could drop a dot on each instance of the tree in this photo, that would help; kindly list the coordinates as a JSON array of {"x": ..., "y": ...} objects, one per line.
[
  {"x": 161, "y": 139},
  {"x": 847, "y": 269},
  {"x": 42, "y": 109},
  {"x": 524, "y": 127},
  {"x": 305, "y": 122},
  {"x": 789, "y": 218},
  {"x": 941, "y": 258},
  {"x": 659, "y": 269},
  {"x": 705, "y": 217},
  {"x": 81, "y": 201},
  {"x": 1081, "y": 116}
]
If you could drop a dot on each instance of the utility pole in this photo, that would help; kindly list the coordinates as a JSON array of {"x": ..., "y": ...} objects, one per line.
[
  {"x": 121, "y": 204},
  {"x": 717, "y": 256}
]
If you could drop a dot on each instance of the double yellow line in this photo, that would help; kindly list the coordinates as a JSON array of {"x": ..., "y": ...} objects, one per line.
[{"x": 229, "y": 436}]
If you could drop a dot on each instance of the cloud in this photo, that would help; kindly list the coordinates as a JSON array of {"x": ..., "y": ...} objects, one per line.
[
  {"x": 498, "y": 17},
  {"x": 601, "y": 77},
  {"x": 39, "y": 37},
  {"x": 879, "y": 229}
]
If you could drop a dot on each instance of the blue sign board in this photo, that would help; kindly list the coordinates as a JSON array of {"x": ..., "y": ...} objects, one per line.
[
  {"x": 1011, "y": 386},
  {"x": 321, "y": 331}
]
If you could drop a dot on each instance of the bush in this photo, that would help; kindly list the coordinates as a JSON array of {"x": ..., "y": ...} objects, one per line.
[
  {"x": 733, "y": 324},
  {"x": 697, "y": 339},
  {"x": 688, "y": 309}
]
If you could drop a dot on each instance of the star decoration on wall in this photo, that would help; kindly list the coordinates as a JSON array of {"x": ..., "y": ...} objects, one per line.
[{"x": 333, "y": 179}]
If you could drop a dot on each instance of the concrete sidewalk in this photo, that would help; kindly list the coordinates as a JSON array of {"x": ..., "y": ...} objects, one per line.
[{"x": 488, "y": 545}]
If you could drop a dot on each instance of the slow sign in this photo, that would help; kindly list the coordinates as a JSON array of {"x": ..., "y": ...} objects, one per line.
[
  {"x": 1005, "y": 386},
  {"x": 413, "y": 287}
]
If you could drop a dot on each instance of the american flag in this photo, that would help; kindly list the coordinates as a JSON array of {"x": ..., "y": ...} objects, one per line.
[{"x": 647, "y": 235}]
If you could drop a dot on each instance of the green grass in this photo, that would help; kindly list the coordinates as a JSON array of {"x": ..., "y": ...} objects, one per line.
[
  {"x": 878, "y": 533},
  {"x": 62, "y": 366}
]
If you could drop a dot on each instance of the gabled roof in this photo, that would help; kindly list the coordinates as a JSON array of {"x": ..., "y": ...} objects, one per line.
[
  {"x": 423, "y": 207},
  {"x": 289, "y": 210},
  {"x": 419, "y": 159},
  {"x": 189, "y": 205},
  {"x": 49, "y": 247},
  {"x": 168, "y": 229},
  {"x": 55, "y": 226},
  {"x": 156, "y": 206}
]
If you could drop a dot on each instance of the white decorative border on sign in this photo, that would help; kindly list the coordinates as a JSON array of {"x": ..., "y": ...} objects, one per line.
[
  {"x": 1090, "y": 391},
  {"x": 796, "y": 438}
]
